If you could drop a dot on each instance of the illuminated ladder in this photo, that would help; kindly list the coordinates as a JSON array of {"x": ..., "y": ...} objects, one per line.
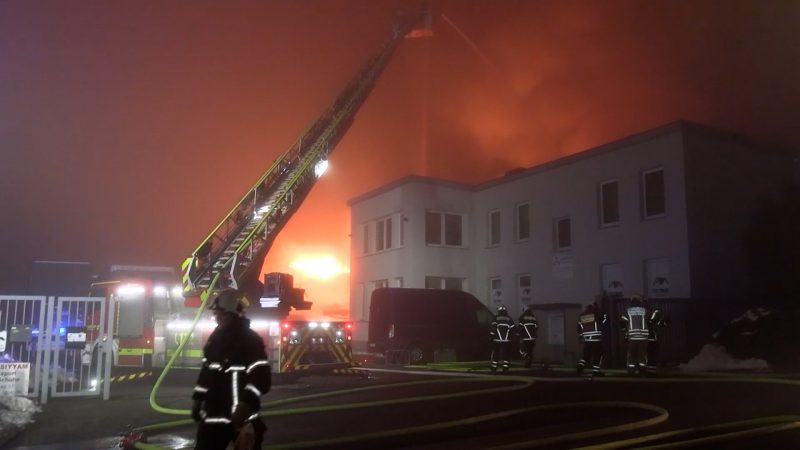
[{"x": 233, "y": 252}]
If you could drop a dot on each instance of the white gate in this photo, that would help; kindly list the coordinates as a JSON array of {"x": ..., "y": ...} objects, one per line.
[
  {"x": 22, "y": 346},
  {"x": 78, "y": 347}
]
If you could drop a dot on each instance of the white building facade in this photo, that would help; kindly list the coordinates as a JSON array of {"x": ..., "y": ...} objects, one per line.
[{"x": 660, "y": 213}]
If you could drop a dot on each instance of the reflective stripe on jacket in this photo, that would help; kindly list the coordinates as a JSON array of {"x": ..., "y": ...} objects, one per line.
[
  {"x": 636, "y": 322},
  {"x": 235, "y": 371}
]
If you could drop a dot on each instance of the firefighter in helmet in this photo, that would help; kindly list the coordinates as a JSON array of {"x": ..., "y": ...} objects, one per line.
[
  {"x": 527, "y": 335},
  {"x": 502, "y": 327},
  {"x": 590, "y": 333},
  {"x": 234, "y": 375},
  {"x": 657, "y": 319},
  {"x": 636, "y": 328}
]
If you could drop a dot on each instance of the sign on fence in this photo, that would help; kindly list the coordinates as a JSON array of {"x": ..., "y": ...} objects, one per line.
[{"x": 14, "y": 378}]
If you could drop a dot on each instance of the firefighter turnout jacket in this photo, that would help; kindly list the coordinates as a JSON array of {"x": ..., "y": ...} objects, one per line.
[
  {"x": 501, "y": 328},
  {"x": 235, "y": 373},
  {"x": 636, "y": 322},
  {"x": 590, "y": 325},
  {"x": 528, "y": 326}
]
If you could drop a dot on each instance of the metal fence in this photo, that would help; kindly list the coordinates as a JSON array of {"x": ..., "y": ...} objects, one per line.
[
  {"x": 55, "y": 346},
  {"x": 21, "y": 343}
]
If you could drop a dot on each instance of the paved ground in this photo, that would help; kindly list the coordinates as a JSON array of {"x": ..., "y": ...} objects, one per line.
[{"x": 414, "y": 410}]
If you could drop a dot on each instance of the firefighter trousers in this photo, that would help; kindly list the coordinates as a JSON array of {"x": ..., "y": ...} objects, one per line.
[
  {"x": 592, "y": 355},
  {"x": 217, "y": 436},
  {"x": 637, "y": 355}
]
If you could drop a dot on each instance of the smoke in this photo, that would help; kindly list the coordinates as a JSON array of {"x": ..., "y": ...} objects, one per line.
[{"x": 129, "y": 130}]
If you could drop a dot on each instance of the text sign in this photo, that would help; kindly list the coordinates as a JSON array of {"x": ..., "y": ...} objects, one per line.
[{"x": 14, "y": 378}]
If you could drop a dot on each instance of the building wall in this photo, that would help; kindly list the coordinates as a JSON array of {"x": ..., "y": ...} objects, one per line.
[
  {"x": 710, "y": 184},
  {"x": 573, "y": 276}
]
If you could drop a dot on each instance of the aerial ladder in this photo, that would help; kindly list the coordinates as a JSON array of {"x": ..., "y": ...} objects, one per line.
[{"x": 233, "y": 253}]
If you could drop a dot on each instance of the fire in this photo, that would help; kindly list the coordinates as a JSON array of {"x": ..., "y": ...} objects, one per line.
[{"x": 322, "y": 267}]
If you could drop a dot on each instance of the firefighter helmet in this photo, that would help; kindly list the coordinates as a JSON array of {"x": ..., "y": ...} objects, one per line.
[
  {"x": 502, "y": 309},
  {"x": 228, "y": 300},
  {"x": 637, "y": 299}
]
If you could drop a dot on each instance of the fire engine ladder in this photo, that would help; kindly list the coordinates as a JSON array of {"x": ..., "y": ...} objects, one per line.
[{"x": 232, "y": 254}]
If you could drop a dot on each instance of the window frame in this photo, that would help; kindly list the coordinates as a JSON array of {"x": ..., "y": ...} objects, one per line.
[
  {"x": 443, "y": 282},
  {"x": 492, "y": 289},
  {"x": 365, "y": 239},
  {"x": 643, "y": 193},
  {"x": 442, "y": 227},
  {"x": 520, "y": 287},
  {"x": 601, "y": 204},
  {"x": 490, "y": 228},
  {"x": 557, "y": 234},
  {"x": 383, "y": 234},
  {"x": 517, "y": 218}
]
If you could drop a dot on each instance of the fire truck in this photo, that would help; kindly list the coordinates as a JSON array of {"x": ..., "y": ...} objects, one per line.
[
  {"x": 232, "y": 254},
  {"x": 147, "y": 298}
]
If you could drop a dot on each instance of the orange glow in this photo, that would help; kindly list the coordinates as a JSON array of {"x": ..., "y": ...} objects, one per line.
[{"x": 322, "y": 267}]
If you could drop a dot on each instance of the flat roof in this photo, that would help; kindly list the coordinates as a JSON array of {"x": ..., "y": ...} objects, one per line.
[{"x": 515, "y": 174}]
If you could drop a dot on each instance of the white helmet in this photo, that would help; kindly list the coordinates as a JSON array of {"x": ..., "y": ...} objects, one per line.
[{"x": 228, "y": 300}]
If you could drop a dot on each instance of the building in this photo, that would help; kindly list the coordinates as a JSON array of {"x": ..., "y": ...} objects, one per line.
[{"x": 660, "y": 213}]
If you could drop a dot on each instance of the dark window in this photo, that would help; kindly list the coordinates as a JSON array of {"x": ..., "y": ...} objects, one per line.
[
  {"x": 523, "y": 222},
  {"x": 563, "y": 233},
  {"x": 433, "y": 283},
  {"x": 494, "y": 228},
  {"x": 609, "y": 203},
  {"x": 452, "y": 283},
  {"x": 388, "y": 230},
  {"x": 366, "y": 239},
  {"x": 654, "y": 201},
  {"x": 433, "y": 228},
  {"x": 452, "y": 230},
  {"x": 379, "y": 241},
  {"x": 383, "y": 234}
]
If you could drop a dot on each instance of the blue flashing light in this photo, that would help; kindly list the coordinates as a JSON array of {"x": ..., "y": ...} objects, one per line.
[
  {"x": 35, "y": 332},
  {"x": 62, "y": 331}
]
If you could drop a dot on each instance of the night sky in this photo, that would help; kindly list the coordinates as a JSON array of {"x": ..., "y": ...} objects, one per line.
[{"x": 129, "y": 128}]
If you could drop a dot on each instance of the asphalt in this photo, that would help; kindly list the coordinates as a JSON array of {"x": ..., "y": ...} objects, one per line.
[{"x": 92, "y": 423}]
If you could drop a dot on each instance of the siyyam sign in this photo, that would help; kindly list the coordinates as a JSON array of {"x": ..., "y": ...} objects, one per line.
[{"x": 14, "y": 378}]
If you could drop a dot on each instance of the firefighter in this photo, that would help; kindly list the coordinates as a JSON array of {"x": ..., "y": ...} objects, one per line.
[
  {"x": 527, "y": 335},
  {"x": 502, "y": 327},
  {"x": 657, "y": 319},
  {"x": 590, "y": 333},
  {"x": 635, "y": 323},
  {"x": 234, "y": 375}
]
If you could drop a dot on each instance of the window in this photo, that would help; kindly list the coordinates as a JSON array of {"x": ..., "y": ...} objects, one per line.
[
  {"x": 657, "y": 277},
  {"x": 496, "y": 290},
  {"x": 609, "y": 203},
  {"x": 563, "y": 233},
  {"x": 451, "y": 283},
  {"x": 653, "y": 200},
  {"x": 611, "y": 279},
  {"x": 523, "y": 222},
  {"x": 365, "y": 232},
  {"x": 383, "y": 234},
  {"x": 362, "y": 292},
  {"x": 494, "y": 227},
  {"x": 444, "y": 229},
  {"x": 402, "y": 221},
  {"x": 433, "y": 228},
  {"x": 397, "y": 282},
  {"x": 525, "y": 290}
]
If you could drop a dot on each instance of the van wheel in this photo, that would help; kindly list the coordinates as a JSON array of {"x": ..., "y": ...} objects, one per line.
[{"x": 417, "y": 354}]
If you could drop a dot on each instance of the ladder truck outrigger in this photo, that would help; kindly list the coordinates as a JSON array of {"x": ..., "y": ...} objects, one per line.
[{"x": 233, "y": 253}]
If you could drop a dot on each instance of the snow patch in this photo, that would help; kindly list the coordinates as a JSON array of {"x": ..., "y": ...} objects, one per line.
[
  {"x": 715, "y": 357},
  {"x": 15, "y": 414}
]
